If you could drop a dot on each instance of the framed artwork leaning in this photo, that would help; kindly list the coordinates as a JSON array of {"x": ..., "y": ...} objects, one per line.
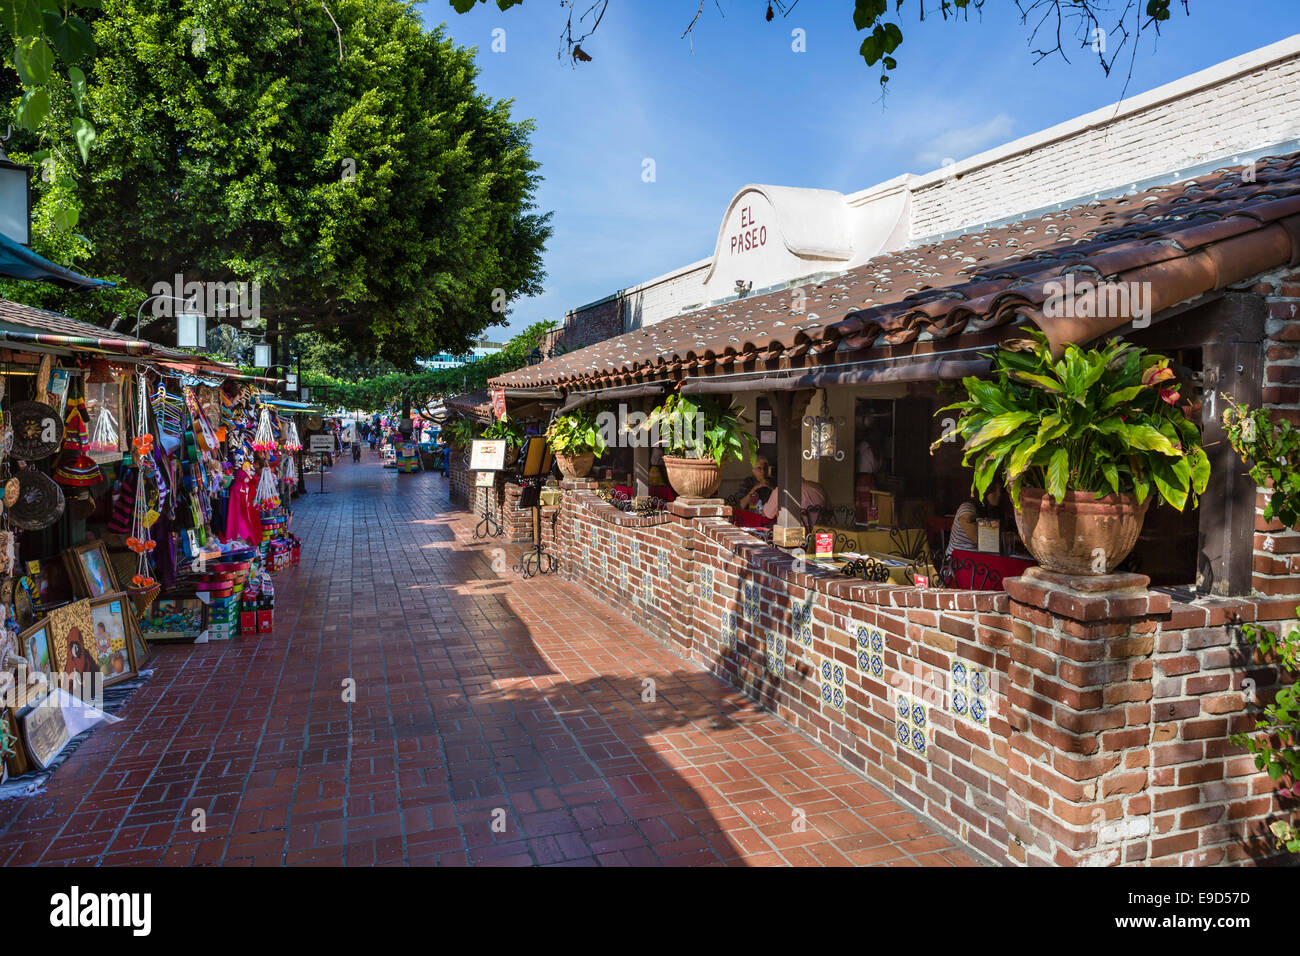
[
  {"x": 70, "y": 630},
  {"x": 113, "y": 637},
  {"x": 91, "y": 569}
]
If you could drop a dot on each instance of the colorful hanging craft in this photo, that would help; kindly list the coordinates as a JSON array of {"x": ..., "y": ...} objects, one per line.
[
  {"x": 264, "y": 440},
  {"x": 75, "y": 468},
  {"x": 268, "y": 491},
  {"x": 142, "y": 446},
  {"x": 104, "y": 438},
  {"x": 292, "y": 442}
]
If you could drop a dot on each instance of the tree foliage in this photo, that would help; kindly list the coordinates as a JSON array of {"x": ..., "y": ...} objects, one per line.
[
  {"x": 1084, "y": 20},
  {"x": 421, "y": 389},
  {"x": 355, "y": 173}
]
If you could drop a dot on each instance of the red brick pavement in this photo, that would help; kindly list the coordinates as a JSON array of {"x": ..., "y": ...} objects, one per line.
[{"x": 479, "y": 697}]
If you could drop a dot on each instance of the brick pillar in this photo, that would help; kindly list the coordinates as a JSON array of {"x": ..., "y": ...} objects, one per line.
[
  {"x": 1080, "y": 715},
  {"x": 682, "y": 536}
]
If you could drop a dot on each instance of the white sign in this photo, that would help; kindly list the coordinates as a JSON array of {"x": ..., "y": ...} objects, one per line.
[
  {"x": 322, "y": 443},
  {"x": 487, "y": 454}
]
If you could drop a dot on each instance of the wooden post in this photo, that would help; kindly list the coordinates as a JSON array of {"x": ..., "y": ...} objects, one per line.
[
  {"x": 788, "y": 532},
  {"x": 641, "y": 458},
  {"x": 1233, "y": 365}
]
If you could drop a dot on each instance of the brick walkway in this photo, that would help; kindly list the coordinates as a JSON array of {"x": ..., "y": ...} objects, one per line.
[{"x": 480, "y": 699}]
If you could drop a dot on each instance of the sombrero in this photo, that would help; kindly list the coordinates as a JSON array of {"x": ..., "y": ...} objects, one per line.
[
  {"x": 38, "y": 431},
  {"x": 40, "y": 501},
  {"x": 76, "y": 469}
]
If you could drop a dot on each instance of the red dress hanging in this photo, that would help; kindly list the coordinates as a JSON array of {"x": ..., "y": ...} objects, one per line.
[{"x": 242, "y": 519}]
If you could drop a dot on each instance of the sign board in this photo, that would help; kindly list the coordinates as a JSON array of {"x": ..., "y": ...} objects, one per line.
[
  {"x": 321, "y": 443},
  {"x": 825, "y": 544},
  {"x": 487, "y": 454},
  {"x": 499, "y": 402},
  {"x": 485, "y": 479}
]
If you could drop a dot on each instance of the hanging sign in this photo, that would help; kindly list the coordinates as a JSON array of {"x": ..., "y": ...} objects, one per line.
[
  {"x": 499, "y": 402},
  {"x": 323, "y": 443}
]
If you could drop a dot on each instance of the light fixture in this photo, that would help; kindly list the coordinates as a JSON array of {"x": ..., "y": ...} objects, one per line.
[
  {"x": 262, "y": 353},
  {"x": 191, "y": 328},
  {"x": 535, "y": 357},
  {"x": 305, "y": 393},
  {"x": 15, "y": 200},
  {"x": 291, "y": 381}
]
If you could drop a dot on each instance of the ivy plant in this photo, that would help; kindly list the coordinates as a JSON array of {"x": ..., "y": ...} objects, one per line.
[{"x": 1269, "y": 447}]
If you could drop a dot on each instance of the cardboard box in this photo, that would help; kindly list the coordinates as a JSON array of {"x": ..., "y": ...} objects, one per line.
[{"x": 264, "y": 621}]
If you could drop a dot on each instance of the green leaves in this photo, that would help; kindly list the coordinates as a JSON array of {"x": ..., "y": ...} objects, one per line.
[
  {"x": 1084, "y": 422},
  {"x": 33, "y": 59},
  {"x": 883, "y": 39},
  {"x": 33, "y": 107},
  {"x": 84, "y": 134},
  {"x": 708, "y": 428}
]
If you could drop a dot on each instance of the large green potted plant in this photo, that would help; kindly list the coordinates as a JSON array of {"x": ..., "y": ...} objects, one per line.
[
  {"x": 461, "y": 432},
  {"x": 1081, "y": 442},
  {"x": 577, "y": 440},
  {"x": 696, "y": 436}
]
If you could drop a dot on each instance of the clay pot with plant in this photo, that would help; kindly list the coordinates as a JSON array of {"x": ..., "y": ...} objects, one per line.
[
  {"x": 577, "y": 441},
  {"x": 1084, "y": 444},
  {"x": 697, "y": 435}
]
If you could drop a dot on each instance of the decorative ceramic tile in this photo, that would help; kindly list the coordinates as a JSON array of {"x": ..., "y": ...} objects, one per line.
[
  {"x": 871, "y": 646},
  {"x": 832, "y": 675},
  {"x": 636, "y": 552},
  {"x": 774, "y": 652},
  {"x": 706, "y": 584},
  {"x": 730, "y": 630},
  {"x": 647, "y": 590},
  {"x": 661, "y": 564},
  {"x": 970, "y": 691},
  {"x": 750, "y": 593},
  {"x": 912, "y": 724},
  {"x": 801, "y": 619}
]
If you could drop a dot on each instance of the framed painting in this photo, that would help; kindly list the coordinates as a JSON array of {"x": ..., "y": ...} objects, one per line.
[
  {"x": 71, "y": 629},
  {"x": 34, "y": 644},
  {"x": 112, "y": 638},
  {"x": 45, "y": 732},
  {"x": 91, "y": 569}
]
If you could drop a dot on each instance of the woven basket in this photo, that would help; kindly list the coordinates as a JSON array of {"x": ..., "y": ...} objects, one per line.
[{"x": 143, "y": 598}]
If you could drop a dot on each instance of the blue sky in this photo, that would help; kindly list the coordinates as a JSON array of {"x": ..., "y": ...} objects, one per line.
[{"x": 737, "y": 105}]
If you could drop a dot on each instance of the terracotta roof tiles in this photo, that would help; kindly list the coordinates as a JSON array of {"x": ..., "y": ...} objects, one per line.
[{"x": 1185, "y": 239}]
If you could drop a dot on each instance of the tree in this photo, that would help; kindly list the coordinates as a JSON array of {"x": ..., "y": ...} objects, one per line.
[
  {"x": 1085, "y": 20},
  {"x": 353, "y": 172}
]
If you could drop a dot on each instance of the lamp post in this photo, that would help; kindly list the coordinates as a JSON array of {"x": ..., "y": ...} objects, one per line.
[
  {"x": 191, "y": 324},
  {"x": 15, "y": 200}
]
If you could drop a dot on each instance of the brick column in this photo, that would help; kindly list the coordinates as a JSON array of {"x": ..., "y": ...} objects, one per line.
[
  {"x": 683, "y": 566},
  {"x": 1080, "y": 715}
]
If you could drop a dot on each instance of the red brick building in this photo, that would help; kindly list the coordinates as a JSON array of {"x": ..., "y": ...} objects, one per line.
[{"x": 1049, "y": 722}]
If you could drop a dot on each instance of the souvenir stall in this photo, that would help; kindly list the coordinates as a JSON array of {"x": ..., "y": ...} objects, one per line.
[{"x": 144, "y": 497}]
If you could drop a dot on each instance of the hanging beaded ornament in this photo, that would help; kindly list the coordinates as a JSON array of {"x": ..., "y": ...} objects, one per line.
[
  {"x": 142, "y": 450},
  {"x": 292, "y": 442},
  {"x": 268, "y": 491},
  {"x": 104, "y": 439},
  {"x": 264, "y": 440}
]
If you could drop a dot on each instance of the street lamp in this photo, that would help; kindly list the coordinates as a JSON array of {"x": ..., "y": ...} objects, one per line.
[
  {"x": 15, "y": 200},
  {"x": 191, "y": 324},
  {"x": 262, "y": 353},
  {"x": 305, "y": 393}
]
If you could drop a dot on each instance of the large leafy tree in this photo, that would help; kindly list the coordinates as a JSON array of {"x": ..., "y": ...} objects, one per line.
[{"x": 339, "y": 155}]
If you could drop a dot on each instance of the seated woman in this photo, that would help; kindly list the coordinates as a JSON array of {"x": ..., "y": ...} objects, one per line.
[
  {"x": 812, "y": 496},
  {"x": 965, "y": 523},
  {"x": 757, "y": 488}
]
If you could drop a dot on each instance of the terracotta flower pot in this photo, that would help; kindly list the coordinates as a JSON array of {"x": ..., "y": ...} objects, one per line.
[
  {"x": 693, "y": 477},
  {"x": 1082, "y": 534},
  {"x": 575, "y": 466}
]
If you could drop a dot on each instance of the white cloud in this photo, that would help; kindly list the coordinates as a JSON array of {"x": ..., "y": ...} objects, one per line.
[{"x": 963, "y": 142}]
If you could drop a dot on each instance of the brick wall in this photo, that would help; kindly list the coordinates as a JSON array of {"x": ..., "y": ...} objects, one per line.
[
  {"x": 1277, "y": 550},
  {"x": 518, "y": 522},
  {"x": 1101, "y": 732},
  {"x": 1103, "y": 152}
]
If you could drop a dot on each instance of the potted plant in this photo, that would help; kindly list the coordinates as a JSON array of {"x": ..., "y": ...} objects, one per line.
[
  {"x": 576, "y": 440},
  {"x": 1081, "y": 442},
  {"x": 696, "y": 436},
  {"x": 460, "y": 432}
]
